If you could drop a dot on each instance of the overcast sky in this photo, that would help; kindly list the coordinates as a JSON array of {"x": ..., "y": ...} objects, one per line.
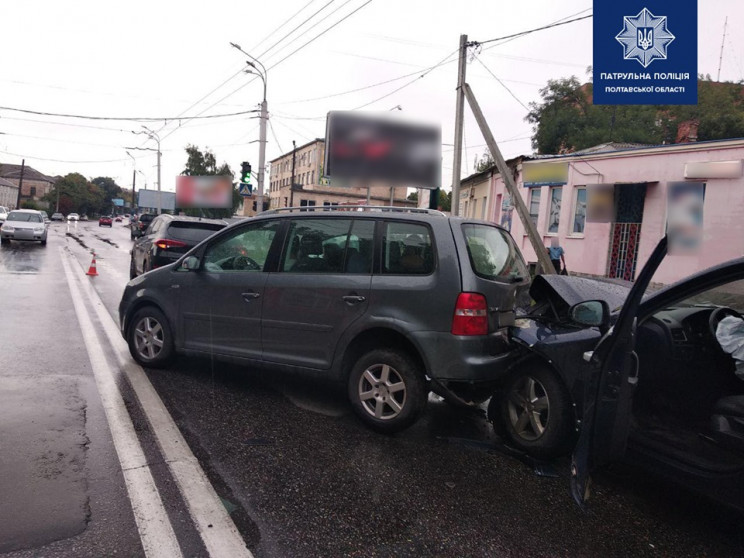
[{"x": 166, "y": 59}]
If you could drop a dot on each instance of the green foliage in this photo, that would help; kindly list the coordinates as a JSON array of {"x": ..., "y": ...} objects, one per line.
[
  {"x": 77, "y": 194},
  {"x": 567, "y": 121},
  {"x": 413, "y": 196},
  {"x": 200, "y": 163},
  {"x": 483, "y": 162},
  {"x": 29, "y": 204},
  {"x": 445, "y": 200}
]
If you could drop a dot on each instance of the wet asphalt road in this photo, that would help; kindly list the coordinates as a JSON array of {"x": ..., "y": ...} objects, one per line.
[{"x": 299, "y": 474}]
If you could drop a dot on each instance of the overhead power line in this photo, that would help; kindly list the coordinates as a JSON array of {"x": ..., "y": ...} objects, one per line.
[
  {"x": 424, "y": 74},
  {"x": 280, "y": 61},
  {"x": 127, "y": 118},
  {"x": 523, "y": 33},
  {"x": 297, "y": 27},
  {"x": 502, "y": 84},
  {"x": 286, "y": 21}
]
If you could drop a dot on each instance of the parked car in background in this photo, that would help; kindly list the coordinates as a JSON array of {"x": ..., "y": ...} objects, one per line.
[
  {"x": 83, "y": 217},
  {"x": 58, "y": 217},
  {"x": 118, "y": 219},
  {"x": 24, "y": 224},
  {"x": 391, "y": 302},
  {"x": 105, "y": 221},
  {"x": 140, "y": 225},
  {"x": 73, "y": 217},
  {"x": 167, "y": 238},
  {"x": 3, "y": 213},
  {"x": 45, "y": 216}
]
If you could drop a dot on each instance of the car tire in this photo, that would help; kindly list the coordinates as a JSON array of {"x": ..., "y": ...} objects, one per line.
[
  {"x": 132, "y": 270},
  {"x": 150, "y": 338},
  {"x": 387, "y": 390},
  {"x": 535, "y": 413},
  {"x": 43, "y": 242},
  {"x": 5, "y": 241}
]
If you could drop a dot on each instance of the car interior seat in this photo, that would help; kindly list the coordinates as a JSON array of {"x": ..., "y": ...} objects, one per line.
[{"x": 727, "y": 422}]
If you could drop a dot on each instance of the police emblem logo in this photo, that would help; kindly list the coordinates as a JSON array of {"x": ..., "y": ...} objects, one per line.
[{"x": 645, "y": 37}]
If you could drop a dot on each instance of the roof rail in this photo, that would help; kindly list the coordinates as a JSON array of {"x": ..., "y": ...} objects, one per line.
[{"x": 373, "y": 208}]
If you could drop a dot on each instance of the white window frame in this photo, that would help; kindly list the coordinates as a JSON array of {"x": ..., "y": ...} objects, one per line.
[
  {"x": 574, "y": 205},
  {"x": 529, "y": 205},
  {"x": 560, "y": 209}
]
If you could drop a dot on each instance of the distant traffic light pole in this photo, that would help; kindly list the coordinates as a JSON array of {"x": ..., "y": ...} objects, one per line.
[{"x": 264, "y": 119}]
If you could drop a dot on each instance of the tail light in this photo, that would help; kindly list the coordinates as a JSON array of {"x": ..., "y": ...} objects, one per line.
[
  {"x": 166, "y": 243},
  {"x": 471, "y": 315}
]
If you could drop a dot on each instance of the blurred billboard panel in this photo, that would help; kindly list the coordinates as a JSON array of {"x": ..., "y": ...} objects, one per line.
[
  {"x": 213, "y": 192},
  {"x": 149, "y": 199},
  {"x": 381, "y": 148}
]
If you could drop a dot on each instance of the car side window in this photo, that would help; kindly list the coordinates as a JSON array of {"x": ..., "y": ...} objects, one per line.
[
  {"x": 243, "y": 250},
  {"x": 316, "y": 246},
  {"x": 407, "y": 249}
]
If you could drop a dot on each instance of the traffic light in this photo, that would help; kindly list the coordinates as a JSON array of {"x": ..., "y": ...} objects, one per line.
[{"x": 245, "y": 175}]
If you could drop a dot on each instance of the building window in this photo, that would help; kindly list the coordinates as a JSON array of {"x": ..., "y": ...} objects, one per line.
[
  {"x": 307, "y": 204},
  {"x": 534, "y": 204},
  {"x": 33, "y": 191},
  {"x": 579, "y": 216},
  {"x": 484, "y": 206},
  {"x": 554, "y": 215}
]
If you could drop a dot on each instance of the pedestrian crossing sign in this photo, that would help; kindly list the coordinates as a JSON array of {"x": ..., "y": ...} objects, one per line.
[{"x": 245, "y": 189}]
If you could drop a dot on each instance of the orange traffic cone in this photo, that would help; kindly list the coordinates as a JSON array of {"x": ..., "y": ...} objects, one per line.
[{"x": 92, "y": 269}]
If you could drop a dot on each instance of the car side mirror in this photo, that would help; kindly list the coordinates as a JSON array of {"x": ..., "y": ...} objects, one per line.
[
  {"x": 191, "y": 263},
  {"x": 595, "y": 313}
]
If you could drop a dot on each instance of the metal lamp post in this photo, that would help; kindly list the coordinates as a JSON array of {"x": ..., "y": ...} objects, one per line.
[
  {"x": 154, "y": 136},
  {"x": 260, "y": 72}
]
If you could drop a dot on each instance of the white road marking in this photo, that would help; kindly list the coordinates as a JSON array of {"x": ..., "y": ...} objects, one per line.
[
  {"x": 156, "y": 532},
  {"x": 216, "y": 528}
]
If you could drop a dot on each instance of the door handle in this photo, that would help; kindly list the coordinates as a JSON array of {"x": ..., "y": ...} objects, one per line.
[
  {"x": 249, "y": 296},
  {"x": 353, "y": 299}
]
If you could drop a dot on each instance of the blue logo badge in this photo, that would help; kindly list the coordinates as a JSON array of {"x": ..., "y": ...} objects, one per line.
[{"x": 645, "y": 37}]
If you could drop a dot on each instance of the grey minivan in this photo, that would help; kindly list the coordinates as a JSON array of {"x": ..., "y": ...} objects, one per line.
[{"x": 393, "y": 302}]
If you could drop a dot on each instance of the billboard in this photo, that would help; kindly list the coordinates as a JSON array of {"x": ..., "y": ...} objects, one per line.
[
  {"x": 544, "y": 174},
  {"x": 382, "y": 148},
  {"x": 118, "y": 202},
  {"x": 214, "y": 192},
  {"x": 149, "y": 199}
]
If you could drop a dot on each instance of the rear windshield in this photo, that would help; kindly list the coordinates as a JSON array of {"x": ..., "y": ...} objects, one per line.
[
  {"x": 193, "y": 232},
  {"x": 26, "y": 217},
  {"x": 493, "y": 254},
  {"x": 146, "y": 217}
]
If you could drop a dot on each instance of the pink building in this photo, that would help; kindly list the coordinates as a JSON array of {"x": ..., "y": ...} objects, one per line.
[{"x": 554, "y": 188}]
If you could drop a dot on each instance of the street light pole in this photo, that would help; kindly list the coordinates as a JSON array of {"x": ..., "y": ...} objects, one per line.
[
  {"x": 260, "y": 72},
  {"x": 154, "y": 136},
  {"x": 134, "y": 177}
]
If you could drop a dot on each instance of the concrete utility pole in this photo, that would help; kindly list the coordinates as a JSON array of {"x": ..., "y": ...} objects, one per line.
[
  {"x": 291, "y": 182},
  {"x": 459, "y": 110},
  {"x": 152, "y": 135},
  {"x": 506, "y": 176},
  {"x": 20, "y": 183},
  {"x": 264, "y": 118}
]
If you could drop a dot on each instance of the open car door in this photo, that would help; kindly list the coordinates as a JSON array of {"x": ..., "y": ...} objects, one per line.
[{"x": 608, "y": 391}]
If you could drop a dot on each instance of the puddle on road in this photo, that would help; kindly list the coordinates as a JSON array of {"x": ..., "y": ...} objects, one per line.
[{"x": 22, "y": 258}]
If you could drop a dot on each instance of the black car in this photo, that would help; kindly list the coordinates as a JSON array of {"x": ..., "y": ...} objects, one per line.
[
  {"x": 390, "y": 302},
  {"x": 167, "y": 238},
  {"x": 138, "y": 227},
  {"x": 649, "y": 382}
]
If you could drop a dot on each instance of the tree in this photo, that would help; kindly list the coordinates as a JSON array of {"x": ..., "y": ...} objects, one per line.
[
  {"x": 566, "y": 120},
  {"x": 200, "y": 163},
  {"x": 413, "y": 196},
  {"x": 108, "y": 190},
  {"x": 484, "y": 162}
]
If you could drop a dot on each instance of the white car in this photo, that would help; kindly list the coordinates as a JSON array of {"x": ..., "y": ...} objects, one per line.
[
  {"x": 3, "y": 213},
  {"x": 24, "y": 224},
  {"x": 73, "y": 217}
]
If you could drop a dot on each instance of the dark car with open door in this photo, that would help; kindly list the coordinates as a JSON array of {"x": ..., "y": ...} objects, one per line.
[
  {"x": 167, "y": 238},
  {"x": 654, "y": 381}
]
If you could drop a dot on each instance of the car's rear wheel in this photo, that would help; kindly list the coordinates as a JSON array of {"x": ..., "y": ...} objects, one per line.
[
  {"x": 536, "y": 413},
  {"x": 150, "y": 338},
  {"x": 5, "y": 241},
  {"x": 387, "y": 390}
]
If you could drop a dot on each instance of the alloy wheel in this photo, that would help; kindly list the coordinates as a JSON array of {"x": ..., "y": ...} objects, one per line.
[
  {"x": 149, "y": 338},
  {"x": 382, "y": 391},
  {"x": 529, "y": 408}
]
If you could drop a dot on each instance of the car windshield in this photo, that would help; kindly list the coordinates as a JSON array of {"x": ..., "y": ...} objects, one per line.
[{"x": 24, "y": 217}]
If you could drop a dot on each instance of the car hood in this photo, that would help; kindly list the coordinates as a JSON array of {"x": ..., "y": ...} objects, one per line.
[
  {"x": 563, "y": 291},
  {"x": 22, "y": 224}
]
